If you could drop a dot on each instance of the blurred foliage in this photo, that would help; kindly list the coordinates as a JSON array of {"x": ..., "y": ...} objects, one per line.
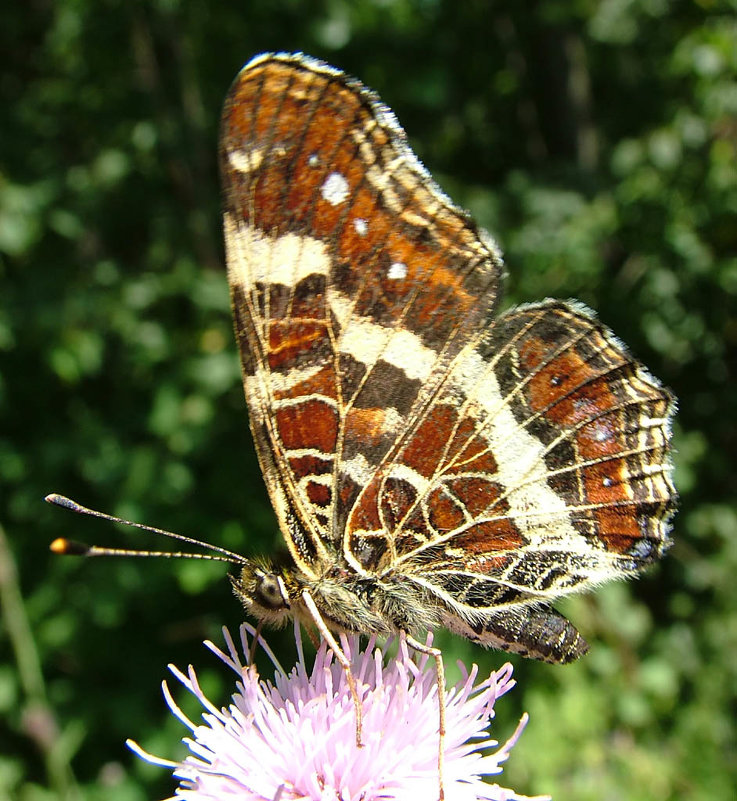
[{"x": 596, "y": 140}]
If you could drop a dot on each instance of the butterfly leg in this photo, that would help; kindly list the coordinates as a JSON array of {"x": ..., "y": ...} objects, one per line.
[
  {"x": 254, "y": 642},
  {"x": 437, "y": 655},
  {"x": 342, "y": 660}
]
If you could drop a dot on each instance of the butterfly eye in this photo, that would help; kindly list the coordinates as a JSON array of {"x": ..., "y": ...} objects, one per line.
[{"x": 270, "y": 592}]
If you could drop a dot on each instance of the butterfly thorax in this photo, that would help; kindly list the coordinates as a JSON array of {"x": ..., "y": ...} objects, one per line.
[{"x": 347, "y": 602}]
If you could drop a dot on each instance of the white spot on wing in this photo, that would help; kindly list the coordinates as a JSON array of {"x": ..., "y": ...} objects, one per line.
[
  {"x": 653, "y": 422},
  {"x": 358, "y": 469},
  {"x": 602, "y": 431},
  {"x": 652, "y": 469},
  {"x": 361, "y": 226},
  {"x": 335, "y": 189},
  {"x": 397, "y": 271},
  {"x": 245, "y": 161}
]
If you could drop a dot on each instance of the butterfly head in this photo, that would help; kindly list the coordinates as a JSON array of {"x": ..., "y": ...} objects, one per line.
[{"x": 266, "y": 591}]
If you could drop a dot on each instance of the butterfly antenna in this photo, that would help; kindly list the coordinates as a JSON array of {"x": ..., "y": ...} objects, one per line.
[{"x": 72, "y": 548}]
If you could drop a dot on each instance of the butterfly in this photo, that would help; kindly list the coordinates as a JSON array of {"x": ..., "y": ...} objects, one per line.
[{"x": 431, "y": 462}]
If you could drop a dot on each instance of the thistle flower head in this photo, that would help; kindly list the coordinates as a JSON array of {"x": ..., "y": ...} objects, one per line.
[{"x": 294, "y": 737}]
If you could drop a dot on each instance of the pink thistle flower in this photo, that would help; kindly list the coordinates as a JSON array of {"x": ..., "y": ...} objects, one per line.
[{"x": 294, "y": 738}]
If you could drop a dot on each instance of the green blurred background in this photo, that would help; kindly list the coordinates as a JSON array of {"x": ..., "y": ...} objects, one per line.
[{"x": 596, "y": 140}]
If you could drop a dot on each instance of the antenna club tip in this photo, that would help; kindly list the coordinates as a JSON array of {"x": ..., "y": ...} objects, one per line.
[
  {"x": 61, "y": 500},
  {"x": 66, "y": 547}
]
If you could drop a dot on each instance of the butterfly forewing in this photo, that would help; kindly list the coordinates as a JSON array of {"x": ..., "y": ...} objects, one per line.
[
  {"x": 354, "y": 281},
  {"x": 407, "y": 435}
]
